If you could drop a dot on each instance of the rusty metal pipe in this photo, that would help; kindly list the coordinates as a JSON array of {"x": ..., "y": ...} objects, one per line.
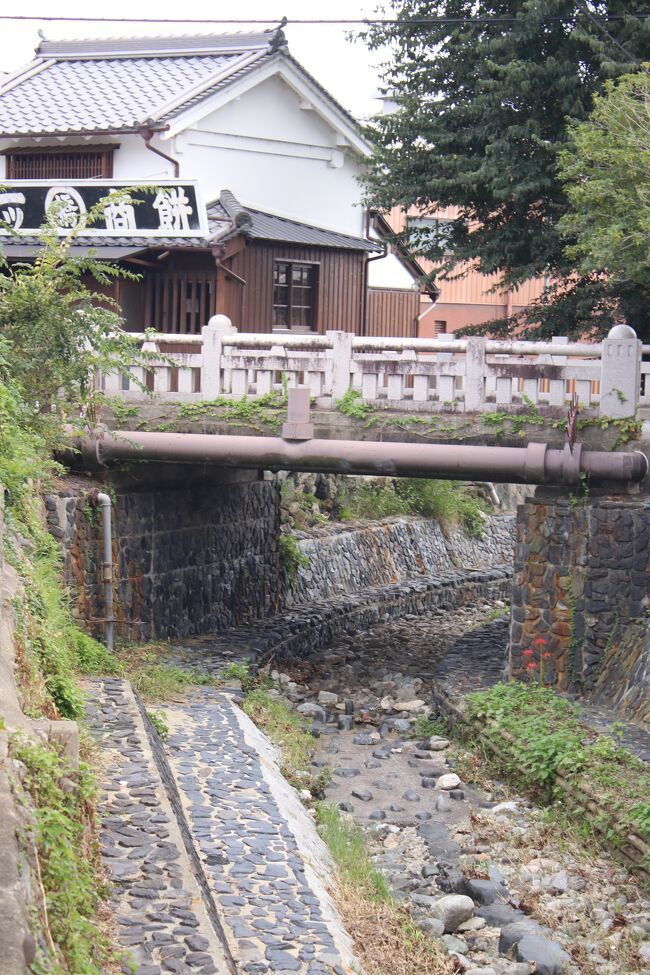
[
  {"x": 105, "y": 502},
  {"x": 533, "y": 464}
]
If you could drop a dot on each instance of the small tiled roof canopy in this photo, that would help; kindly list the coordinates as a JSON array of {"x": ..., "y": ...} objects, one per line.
[
  {"x": 227, "y": 218},
  {"x": 124, "y": 84}
]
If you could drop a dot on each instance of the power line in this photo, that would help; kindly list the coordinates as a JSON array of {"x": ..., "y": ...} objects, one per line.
[
  {"x": 603, "y": 30},
  {"x": 370, "y": 21}
]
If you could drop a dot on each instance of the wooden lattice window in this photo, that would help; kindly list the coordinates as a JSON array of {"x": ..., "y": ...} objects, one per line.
[
  {"x": 294, "y": 294},
  {"x": 179, "y": 301},
  {"x": 58, "y": 162}
]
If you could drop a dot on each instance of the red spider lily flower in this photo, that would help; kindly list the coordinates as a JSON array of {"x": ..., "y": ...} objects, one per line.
[
  {"x": 547, "y": 656},
  {"x": 531, "y": 666},
  {"x": 540, "y": 640},
  {"x": 527, "y": 653}
]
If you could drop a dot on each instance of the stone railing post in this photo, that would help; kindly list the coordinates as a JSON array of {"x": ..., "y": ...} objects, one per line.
[
  {"x": 475, "y": 375},
  {"x": 620, "y": 376},
  {"x": 213, "y": 332},
  {"x": 341, "y": 354}
]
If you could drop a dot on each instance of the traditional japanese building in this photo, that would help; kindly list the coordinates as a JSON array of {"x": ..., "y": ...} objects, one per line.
[{"x": 247, "y": 198}]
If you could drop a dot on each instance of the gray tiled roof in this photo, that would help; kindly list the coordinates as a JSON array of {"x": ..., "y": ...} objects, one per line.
[
  {"x": 121, "y": 83},
  {"x": 226, "y": 218},
  {"x": 268, "y": 226},
  {"x": 101, "y": 94}
]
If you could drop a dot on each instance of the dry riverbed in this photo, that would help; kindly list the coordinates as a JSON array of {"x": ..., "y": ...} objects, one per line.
[{"x": 507, "y": 889}]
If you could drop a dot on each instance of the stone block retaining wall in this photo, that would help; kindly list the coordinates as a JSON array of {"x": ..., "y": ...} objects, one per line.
[
  {"x": 582, "y": 570},
  {"x": 189, "y": 557},
  {"x": 623, "y": 683},
  {"x": 316, "y": 625},
  {"x": 347, "y": 558}
]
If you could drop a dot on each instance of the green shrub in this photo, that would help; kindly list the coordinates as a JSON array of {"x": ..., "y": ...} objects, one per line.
[
  {"x": 291, "y": 558},
  {"x": 67, "y": 858},
  {"x": 448, "y": 502},
  {"x": 547, "y": 738}
]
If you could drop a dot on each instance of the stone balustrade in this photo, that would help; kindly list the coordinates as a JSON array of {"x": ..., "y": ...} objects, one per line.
[{"x": 409, "y": 374}]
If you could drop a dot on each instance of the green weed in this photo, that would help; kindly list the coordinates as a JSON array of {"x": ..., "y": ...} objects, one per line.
[
  {"x": 158, "y": 720},
  {"x": 448, "y": 502},
  {"x": 428, "y": 728},
  {"x": 291, "y": 558},
  {"x": 267, "y": 411},
  {"x": 351, "y": 404},
  {"x": 67, "y": 858},
  {"x": 346, "y": 842},
  {"x": 548, "y": 738}
]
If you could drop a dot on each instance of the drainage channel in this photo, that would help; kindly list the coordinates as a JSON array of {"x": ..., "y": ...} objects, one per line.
[
  {"x": 479, "y": 868},
  {"x": 217, "y": 866}
]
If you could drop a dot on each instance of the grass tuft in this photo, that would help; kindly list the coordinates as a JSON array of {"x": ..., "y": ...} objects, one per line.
[
  {"x": 386, "y": 941},
  {"x": 540, "y": 735}
]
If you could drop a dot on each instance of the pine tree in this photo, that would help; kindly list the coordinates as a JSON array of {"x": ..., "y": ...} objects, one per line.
[{"x": 481, "y": 114}]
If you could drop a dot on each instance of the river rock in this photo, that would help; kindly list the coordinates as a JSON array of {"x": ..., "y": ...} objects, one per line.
[
  {"x": 363, "y": 794},
  {"x": 548, "y": 956},
  {"x": 437, "y": 744},
  {"x": 327, "y": 697},
  {"x": 453, "y": 909},
  {"x": 474, "y": 924},
  {"x": 486, "y": 891},
  {"x": 400, "y": 725},
  {"x": 448, "y": 782},
  {"x": 512, "y": 934},
  {"x": 313, "y": 710},
  {"x": 412, "y": 706},
  {"x": 454, "y": 944},
  {"x": 432, "y": 926}
]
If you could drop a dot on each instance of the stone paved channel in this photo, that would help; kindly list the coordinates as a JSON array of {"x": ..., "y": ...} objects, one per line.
[
  {"x": 163, "y": 923},
  {"x": 215, "y": 865},
  {"x": 276, "y": 913}
]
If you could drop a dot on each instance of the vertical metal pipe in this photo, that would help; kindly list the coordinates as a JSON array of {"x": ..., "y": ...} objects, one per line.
[{"x": 107, "y": 568}]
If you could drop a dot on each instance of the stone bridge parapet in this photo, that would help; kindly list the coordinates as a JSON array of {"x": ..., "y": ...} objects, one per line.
[{"x": 470, "y": 375}]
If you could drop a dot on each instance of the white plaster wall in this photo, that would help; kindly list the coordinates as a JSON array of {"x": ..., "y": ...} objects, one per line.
[
  {"x": 272, "y": 153},
  {"x": 389, "y": 272},
  {"x": 134, "y": 161},
  {"x": 275, "y": 156}
]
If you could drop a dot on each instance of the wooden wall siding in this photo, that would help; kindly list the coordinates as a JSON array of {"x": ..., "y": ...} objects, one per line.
[
  {"x": 179, "y": 301},
  {"x": 340, "y": 285},
  {"x": 393, "y": 312}
]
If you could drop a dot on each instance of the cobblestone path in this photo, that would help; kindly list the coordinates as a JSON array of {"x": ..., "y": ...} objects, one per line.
[
  {"x": 215, "y": 865},
  {"x": 274, "y": 918},
  {"x": 163, "y": 923}
]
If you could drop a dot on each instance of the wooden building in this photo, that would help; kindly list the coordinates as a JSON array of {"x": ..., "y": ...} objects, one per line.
[{"x": 290, "y": 248}]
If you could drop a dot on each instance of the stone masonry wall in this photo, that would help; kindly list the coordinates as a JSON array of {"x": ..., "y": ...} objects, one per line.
[
  {"x": 582, "y": 569},
  {"x": 623, "y": 682},
  {"x": 347, "y": 558},
  {"x": 189, "y": 556}
]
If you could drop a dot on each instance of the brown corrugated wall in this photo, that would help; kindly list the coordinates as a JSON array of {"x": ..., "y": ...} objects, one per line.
[{"x": 393, "y": 312}]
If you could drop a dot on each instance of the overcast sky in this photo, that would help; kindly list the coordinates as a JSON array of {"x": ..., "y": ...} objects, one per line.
[{"x": 347, "y": 70}]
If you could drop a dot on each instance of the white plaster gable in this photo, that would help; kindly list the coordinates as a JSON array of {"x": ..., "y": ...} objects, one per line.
[
  {"x": 310, "y": 98},
  {"x": 270, "y": 111}
]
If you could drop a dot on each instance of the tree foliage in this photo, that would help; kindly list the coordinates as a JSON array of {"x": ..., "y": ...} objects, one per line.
[
  {"x": 481, "y": 108},
  {"x": 606, "y": 172},
  {"x": 60, "y": 329}
]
